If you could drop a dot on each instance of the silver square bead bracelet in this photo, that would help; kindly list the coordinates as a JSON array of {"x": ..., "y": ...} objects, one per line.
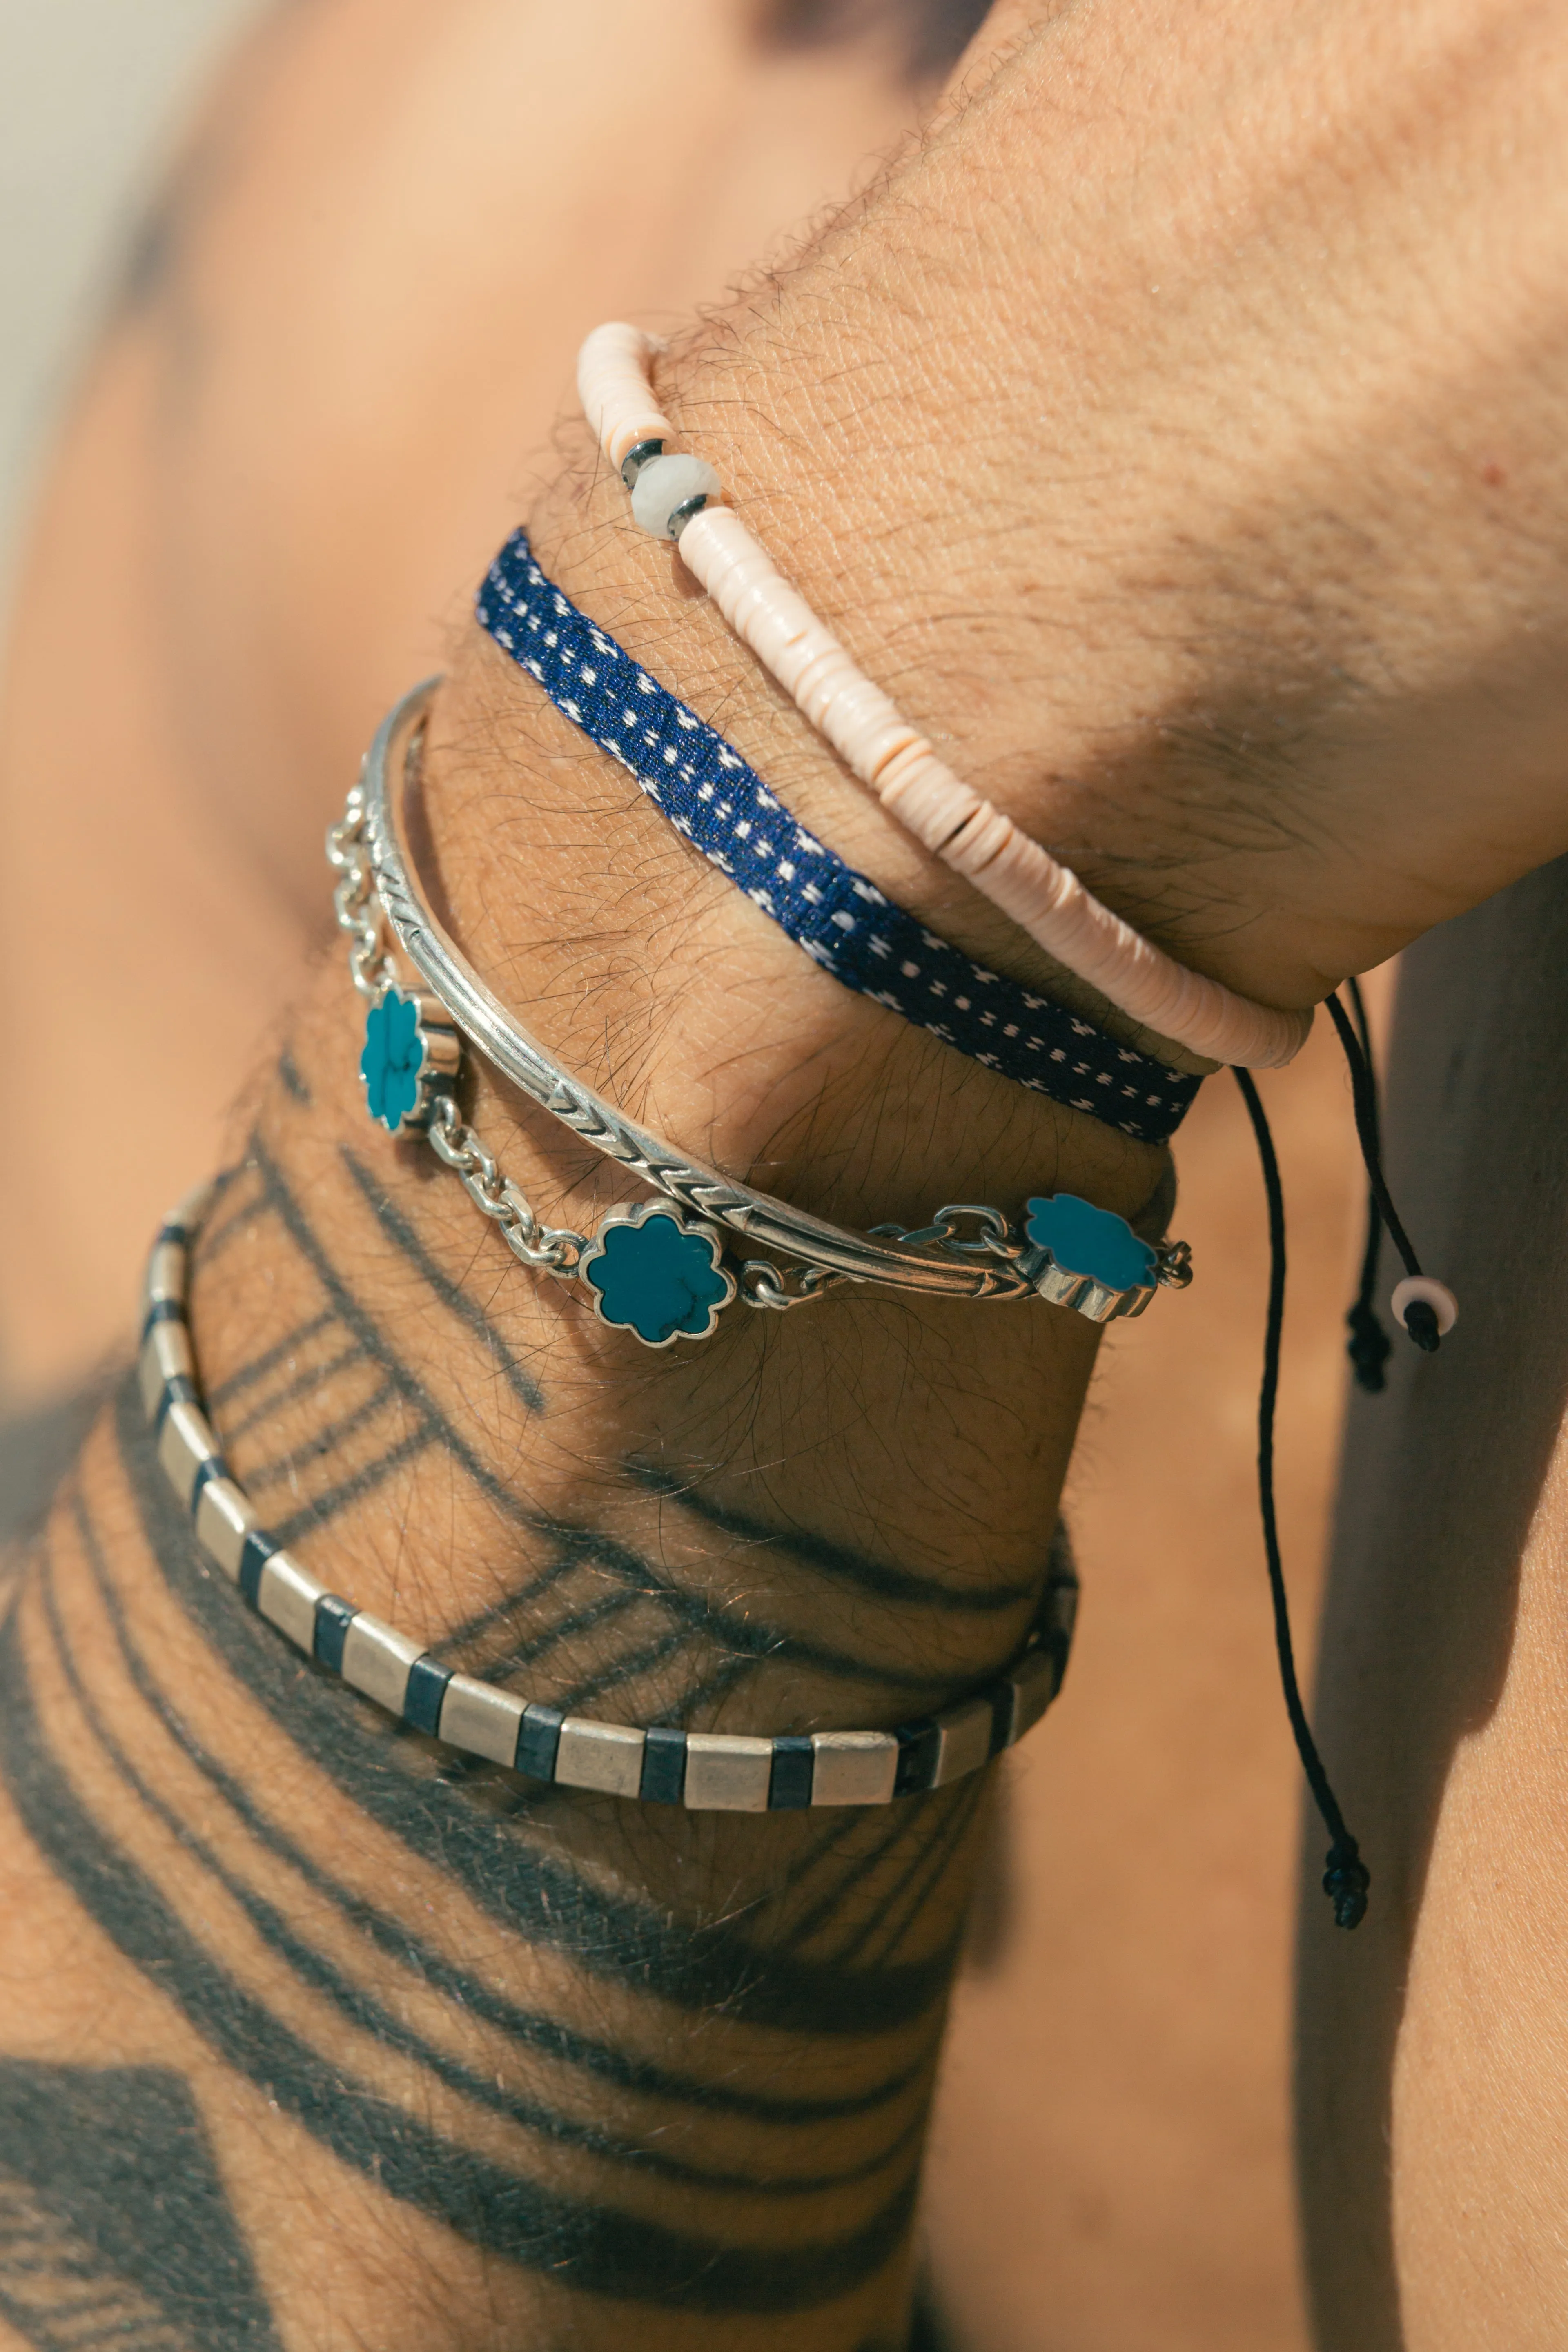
[{"x": 706, "y": 1771}]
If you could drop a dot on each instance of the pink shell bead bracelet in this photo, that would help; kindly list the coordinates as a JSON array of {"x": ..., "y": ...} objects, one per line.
[{"x": 675, "y": 496}]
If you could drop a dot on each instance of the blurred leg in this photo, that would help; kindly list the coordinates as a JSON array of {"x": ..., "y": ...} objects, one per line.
[
  {"x": 1433, "y": 2060},
  {"x": 352, "y": 321},
  {"x": 1116, "y": 2087}
]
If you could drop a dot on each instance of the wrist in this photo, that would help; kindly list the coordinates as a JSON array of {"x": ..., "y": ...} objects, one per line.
[
  {"x": 710, "y": 1027},
  {"x": 583, "y": 539},
  {"x": 440, "y": 1435},
  {"x": 658, "y": 982}
]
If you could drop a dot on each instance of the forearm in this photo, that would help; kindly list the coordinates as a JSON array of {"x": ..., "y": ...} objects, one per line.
[
  {"x": 469, "y": 2060},
  {"x": 265, "y": 574},
  {"x": 991, "y": 524},
  {"x": 588, "y": 2050}
]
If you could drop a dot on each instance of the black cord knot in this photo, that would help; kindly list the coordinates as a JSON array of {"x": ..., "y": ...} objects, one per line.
[
  {"x": 1421, "y": 1322},
  {"x": 1370, "y": 1347},
  {"x": 1346, "y": 1881}
]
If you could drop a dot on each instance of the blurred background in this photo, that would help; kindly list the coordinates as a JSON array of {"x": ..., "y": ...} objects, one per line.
[{"x": 90, "y": 91}]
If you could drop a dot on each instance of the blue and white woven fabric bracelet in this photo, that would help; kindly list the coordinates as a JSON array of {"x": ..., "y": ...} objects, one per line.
[
  {"x": 705, "y": 1771},
  {"x": 839, "y": 917}
]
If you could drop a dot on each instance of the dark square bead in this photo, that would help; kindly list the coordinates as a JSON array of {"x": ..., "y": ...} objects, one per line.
[
  {"x": 920, "y": 1747},
  {"x": 422, "y": 1699},
  {"x": 258, "y": 1549},
  {"x": 215, "y": 1466},
  {"x": 1001, "y": 1703},
  {"x": 333, "y": 1618},
  {"x": 179, "y": 1390},
  {"x": 789, "y": 1783},
  {"x": 537, "y": 1738},
  {"x": 663, "y": 1765}
]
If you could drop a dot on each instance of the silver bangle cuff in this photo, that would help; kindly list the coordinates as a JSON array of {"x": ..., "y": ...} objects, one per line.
[{"x": 968, "y": 1250}]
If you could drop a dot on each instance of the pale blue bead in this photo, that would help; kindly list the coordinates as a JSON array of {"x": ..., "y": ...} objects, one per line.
[{"x": 666, "y": 483}]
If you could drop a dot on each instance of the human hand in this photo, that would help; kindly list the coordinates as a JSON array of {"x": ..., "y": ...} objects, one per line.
[{"x": 1179, "y": 438}]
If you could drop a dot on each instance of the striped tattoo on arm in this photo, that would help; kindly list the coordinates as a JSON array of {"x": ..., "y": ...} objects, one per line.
[{"x": 600, "y": 2059}]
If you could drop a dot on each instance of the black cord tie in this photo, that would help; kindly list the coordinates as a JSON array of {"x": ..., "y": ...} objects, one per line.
[
  {"x": 1345, "y": 1878},
  {"x": 1370, "y": 1345},
  {"x": 1421, "y": 1316},
  {"x": 1346, "y": 1881}
]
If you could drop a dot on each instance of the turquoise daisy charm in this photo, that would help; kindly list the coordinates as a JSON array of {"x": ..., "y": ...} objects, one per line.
[
  {"x": 411, "y": 1050},
  {"x": 1092, "y": 1242},
  {"x": 657, "y": 1274}
]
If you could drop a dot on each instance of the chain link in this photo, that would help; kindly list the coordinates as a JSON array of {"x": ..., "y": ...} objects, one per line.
[
  {"x": 961, "y": 1230},
  {"x": 359, "y": 916},
  {"x": 1174, "y": 1264},
  {"x": 547, "y": 1249},
  {"x": 994, "y": 1238},
  {"x": 557, "y": 1250},
  {"x": 779, "y": 1287}
]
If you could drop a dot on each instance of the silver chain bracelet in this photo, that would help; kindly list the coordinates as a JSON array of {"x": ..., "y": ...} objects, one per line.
[{"x": 662, "y": 1268}]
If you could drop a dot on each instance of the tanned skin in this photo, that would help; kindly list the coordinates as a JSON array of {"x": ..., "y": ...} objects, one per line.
[
  {"x": 1279, "y": 778},
  {"x": 1120, "y": 2130}
]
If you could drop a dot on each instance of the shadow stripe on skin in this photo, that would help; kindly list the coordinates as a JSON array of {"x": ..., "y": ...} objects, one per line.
[
  {"x": 270, "y": 1357},
  {"x": 352, "y": 1489},
  {"x": 398, "y": 1230},
  {"x": 739, "y": 1635},
  {"x": 852, "y": 1871},
  {"x": 923, "y": 1872},
  {"x": 530, "y": 2029},
  {"x": 293, "y": 1391},
  {"x": 882, "y": 1578},
  {"x": 733, "y": 1630},
  {"x": 705, "y": 1692},
  {"x": 707, "y": 1965},
  {"x": 283, "y": 1466},
  {"x": 277, "y": 1196},
  {"x": 593, "y": 2247},
  {"x": 115, "y": 2226},
  {"x": 371, "y": 2017}
]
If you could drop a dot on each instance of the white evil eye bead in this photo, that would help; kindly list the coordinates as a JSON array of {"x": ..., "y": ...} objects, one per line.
[{"x": 1424, "y": 1289}]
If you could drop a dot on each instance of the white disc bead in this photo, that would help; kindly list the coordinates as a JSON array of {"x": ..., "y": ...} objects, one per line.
[
  {"x": 664, "y": 484},
  {"x": 1436, "y": 1296},
  {"x": 612, "y": 385},
  {"x": 876, "y": 742}
]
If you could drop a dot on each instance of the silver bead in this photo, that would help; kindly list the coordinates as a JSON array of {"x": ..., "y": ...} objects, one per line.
[
  {"x": 637, "y": 458},
  {"x": 726, "y": 1772},
  {"x": 376, "y": 1661},
  {"x": 485, "y": 1721},
  {"x": 853, "y": 1768},
  {"x": 285, "y": 1596},
  {"x": 603, "y": 1756},
  {"x": 223, "y": 1519}
]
